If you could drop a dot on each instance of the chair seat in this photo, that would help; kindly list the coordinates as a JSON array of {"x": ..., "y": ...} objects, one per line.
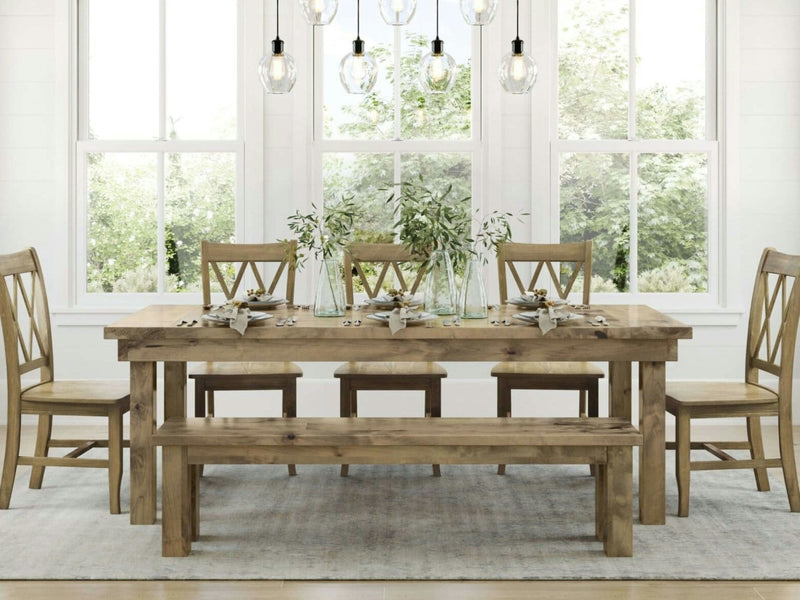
[
  {"x": 370, "y": 369},
  {"x": 234, "y": 369},
  {"x": 79, "y": 392},
  {"x": 717, "y": 393},
  {"x": 545, "y": 369}
]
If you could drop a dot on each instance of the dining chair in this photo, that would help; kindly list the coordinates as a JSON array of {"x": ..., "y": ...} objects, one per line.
[
  {"x": 229, "y": 264},
  {"x": 554, "y": 261},
  {"x": 28, "y": 343},
  {"x": 361, "y": 376},
  {"x": 771, "y": 336}
]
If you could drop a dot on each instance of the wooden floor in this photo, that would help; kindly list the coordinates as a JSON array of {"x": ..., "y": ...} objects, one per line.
[{"x": 405, "y": 590}]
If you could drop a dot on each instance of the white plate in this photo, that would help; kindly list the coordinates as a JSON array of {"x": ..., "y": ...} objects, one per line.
[
  {"x": 253, "y": 316},
  {"x": 525, "y": 302},
  {"x": 386, "y": 302},
  {"x": 383, "y": 317},
  {"x": 533, "y": 317},
  {"x": 271, "y": 303}
]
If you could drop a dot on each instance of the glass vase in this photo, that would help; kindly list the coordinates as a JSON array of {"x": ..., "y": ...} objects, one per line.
[
  {"x": 472, "y": 296},
  {"x": 440, "y": 287},
  {"x": 330, "y": 290}
]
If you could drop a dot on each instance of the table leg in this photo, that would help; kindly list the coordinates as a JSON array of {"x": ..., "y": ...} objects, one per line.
[
  {"x": 143, "y": 453},
  {"x": 174, "y": 389},
  {"x": 652, "y": 459},
  {"x": 619, "y": 389}
]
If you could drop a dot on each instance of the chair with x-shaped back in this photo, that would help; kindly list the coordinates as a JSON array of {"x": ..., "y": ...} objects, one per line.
[
  {"x": 355, "y": 376},
  {"x": 25, "y": 318},
  {"x": 771, "y": 337},
  {"x": 569, "y": 260},
  {"x": 232, "y": 261}
]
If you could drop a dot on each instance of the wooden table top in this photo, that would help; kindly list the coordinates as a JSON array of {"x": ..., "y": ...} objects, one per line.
[{"x": 625, "y": 322}]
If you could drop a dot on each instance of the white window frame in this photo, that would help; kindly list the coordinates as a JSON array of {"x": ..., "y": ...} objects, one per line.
[
  {"x": 249, "y": 166},
  {"x": 546, "y": 149},
  {"x": 397, "y": 147}
]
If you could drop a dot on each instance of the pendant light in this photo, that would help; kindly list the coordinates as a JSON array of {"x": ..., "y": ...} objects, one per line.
[
  {"x": 437, "y": 70},
  {"x": 319, "y": 12},
  {"x": 358, "y": 70},
  {"x": 518, "y": 70},
  {"x": 397, "y": 12},
  {"x": 277, "y": 71},
  {"x": 478, "y": 12}
]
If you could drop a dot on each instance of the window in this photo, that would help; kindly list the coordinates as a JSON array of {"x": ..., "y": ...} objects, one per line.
[
  {"x": 364, "y": 144},
  {"x": 159, "y": 152},
  {"x": 634, "y": 153}
]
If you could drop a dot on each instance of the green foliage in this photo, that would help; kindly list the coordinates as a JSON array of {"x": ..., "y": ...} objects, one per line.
[
  {"x": 493, "y": 229},
  {"x": 323, "y": 235},
  {"x": 620, "y": 274},
  {"x": 671, "y": 277}
]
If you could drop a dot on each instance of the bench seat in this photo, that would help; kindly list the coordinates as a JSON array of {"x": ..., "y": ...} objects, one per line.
[{"x": 607, "y": 442}]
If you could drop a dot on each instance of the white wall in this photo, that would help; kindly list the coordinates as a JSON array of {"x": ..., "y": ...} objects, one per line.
[{"x": 33, "y": 188}]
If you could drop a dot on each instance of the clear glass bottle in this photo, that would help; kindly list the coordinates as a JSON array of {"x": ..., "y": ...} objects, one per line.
[
  {"x": 440, "y": 286},
  {"x": 472, "y": 296},
  {"x": 330, "y": 290}
]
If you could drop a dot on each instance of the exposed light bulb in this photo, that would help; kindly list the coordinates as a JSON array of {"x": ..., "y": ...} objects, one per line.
[
  {"x": 479, "y": 6},
  {"x": 358, "y": 68},
  {"x": 518, "y": 69},
  {"x": 436, "y": 68},
  {"x": 398, "y": 5},
  {"x": 318, "y": 6},
  {"x": 277, "y": 68}
]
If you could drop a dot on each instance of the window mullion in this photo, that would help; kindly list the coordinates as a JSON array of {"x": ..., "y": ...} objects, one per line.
[
  {"x": 632, "y": 70},
  {"x": 398, "y": 63},
  {"x": 161, "y": 260},
  {"x": 161, "y": 257},
  {"x": 633, "y": 249}
]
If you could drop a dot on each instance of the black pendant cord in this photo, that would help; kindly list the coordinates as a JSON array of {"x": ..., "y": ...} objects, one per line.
[
  {"x": 437, "y": 19},
  {"x": 517, "y": 19},
  {"x": 278, "y": 19},
  {"x": 358, "y": 19}
]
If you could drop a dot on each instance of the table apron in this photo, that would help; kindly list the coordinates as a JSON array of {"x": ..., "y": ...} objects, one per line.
[{"x": 474, "y": 350}]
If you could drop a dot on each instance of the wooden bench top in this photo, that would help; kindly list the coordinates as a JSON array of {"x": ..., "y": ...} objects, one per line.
[{"x": 397, "y": 432}]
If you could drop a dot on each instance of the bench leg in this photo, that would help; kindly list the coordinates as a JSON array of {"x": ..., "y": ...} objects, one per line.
[
  {"x": 600, "y": 502},
  {"x": 176, "y": 503},
  {"x": 619, "y": 501},
  {"x": 194, "y": 474},
  {"x": 433, "y": 408},
  {"x": 345, "y": 409},
  {"x": 503, "y": 408},
  {"x": 289, "y": 398}
]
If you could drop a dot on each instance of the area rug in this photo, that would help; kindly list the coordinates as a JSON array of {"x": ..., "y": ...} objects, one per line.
[{"x": 399, "y": 522}]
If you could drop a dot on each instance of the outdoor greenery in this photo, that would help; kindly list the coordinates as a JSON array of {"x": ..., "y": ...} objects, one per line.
[{"x": 324, "y": 234}]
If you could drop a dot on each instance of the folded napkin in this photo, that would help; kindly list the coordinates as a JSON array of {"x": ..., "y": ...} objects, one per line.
[
  {"x": 398, "y": 318},
  {"x": 548, "y": 318},
  {"x": 237, "y": 317}
]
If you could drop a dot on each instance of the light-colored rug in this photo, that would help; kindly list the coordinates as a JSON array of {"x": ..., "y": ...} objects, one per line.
[{"x": 399, "y": 523}]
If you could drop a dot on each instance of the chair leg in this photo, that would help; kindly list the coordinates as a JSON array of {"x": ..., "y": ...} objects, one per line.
[
  {"x": 433, "y": 408},
  {"x": 787, "y": 461},
  {"x": 593, "y": 402},
  {"x": 682, "y": 461},
  {"x": 210, "y": 394},
  {"x": 588, "y": 407},
  {"x": 199, "y": 397},
  {"x": 11, "y": 456},
  {"x": 757, "y": 452},
  {"x": 42, "y": 448},
  {"x": 114, "y": 459},
  {"x": 290, "y": 408},
  {"x": 503, "y": 408},
  {"x": 345, "y": 410}
]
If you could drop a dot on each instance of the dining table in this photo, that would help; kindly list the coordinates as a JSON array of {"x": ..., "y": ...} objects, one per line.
[{"x": 178, "y": 334}]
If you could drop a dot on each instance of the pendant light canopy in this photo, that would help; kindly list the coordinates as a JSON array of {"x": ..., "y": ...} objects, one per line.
[
  {"x": 518, "y": 70},
  {"x": 437, "y": 70},
  {"x": 277, "y": 71},
  {"x": 358, "y": 70},
  {"x": 319, "y": 12},
  {"x": 397, "y": 12},
  {"x": 478, "y": 12}
]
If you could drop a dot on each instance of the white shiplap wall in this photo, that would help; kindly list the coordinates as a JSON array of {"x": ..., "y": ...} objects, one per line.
[{"x": 33, "y": 195}]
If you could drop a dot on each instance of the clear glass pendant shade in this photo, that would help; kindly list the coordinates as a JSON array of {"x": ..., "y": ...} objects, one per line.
[
  {"x": 397, "y": 12},
  {"x": 437, "y": 72},
  {"x": 358, "y": 73},
  {"x": 319, "y": 12},
  {"x": 478, "y": 12},
  {"x": 517, "y": 71},
  {"x": 277, "y": 71}
]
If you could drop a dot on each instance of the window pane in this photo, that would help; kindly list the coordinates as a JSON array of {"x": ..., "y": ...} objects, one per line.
[
  {"x": 356, "y": 116},
  {"x": 122, "y": 223},
  {"x": 201, "y": 69},
  {"x": 673, "y": 223},
  {"x": 362, "y": 176},
  {"x": 200, "y": 204},
  {"x": 593, "y": 52},
  {"x": 436, "y": 116},
  {"x": 594, "y": 204},
  {"x": 123, "y": 69},
  {"x": 671, "y": 77}
]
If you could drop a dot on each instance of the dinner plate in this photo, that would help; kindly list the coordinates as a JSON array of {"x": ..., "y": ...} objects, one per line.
[
  {"x": 387, "y": 302},
  {"x": 525, "y": 302},
  {"x": 271, "y": 303},
  {"x": 533, "y": 317},
  {"x": 253, "y": 316},
  {"x": 421, "y": 317}
]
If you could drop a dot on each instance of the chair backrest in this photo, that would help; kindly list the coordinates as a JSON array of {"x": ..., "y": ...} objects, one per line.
[
  {"x": 384, "y": 257},
  {"x": 25, "y": 319},
  {"x": 567, "y": 259},
  {"x": 774, "y": 311},
  {"x": 218, "y": 258}
]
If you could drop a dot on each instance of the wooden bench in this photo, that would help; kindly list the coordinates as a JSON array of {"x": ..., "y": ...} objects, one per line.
[{"x": 606, "y": 442}]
